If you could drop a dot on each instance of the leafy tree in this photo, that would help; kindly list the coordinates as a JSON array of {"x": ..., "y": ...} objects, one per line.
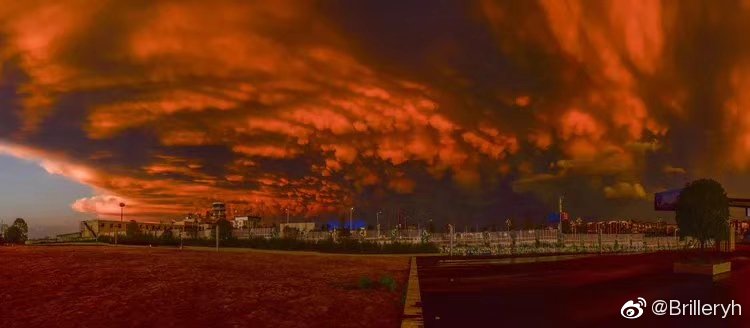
[
  {"x": 292, "y": 233},
  {"x": 703, "y": 211},
  {"x": 225, "y": 229},
  {"x": 15, "y": 235},
  {"x": 132, "y": 230},
  {"x": 167, "y": 235},
  {"x": 21, "y": 224}
]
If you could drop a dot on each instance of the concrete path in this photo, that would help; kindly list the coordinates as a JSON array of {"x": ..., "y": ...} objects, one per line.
[{"x": 412, "y": 317}]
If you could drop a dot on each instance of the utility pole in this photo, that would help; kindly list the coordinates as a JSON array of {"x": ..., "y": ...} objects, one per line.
[
  {"x": 351, "y": 214},
  {"x": 122, "y": 214},
  {"x": 451, "y": 232},
  {"x": 560, "y": 208},
  {"x": 377, "y": 221}
]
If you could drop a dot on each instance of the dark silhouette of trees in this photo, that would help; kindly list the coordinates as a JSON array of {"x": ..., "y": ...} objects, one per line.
[
  {"x": 17, "y": 233},
  {"x": 225, "y": 229},
  {"x": 703, "y": 211},
  {"x": 132, "y": 230},
  {"x": 21, "y": 224}
]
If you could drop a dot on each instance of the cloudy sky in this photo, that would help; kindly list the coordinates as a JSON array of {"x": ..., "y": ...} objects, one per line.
[{"x": 462, "y": 111}]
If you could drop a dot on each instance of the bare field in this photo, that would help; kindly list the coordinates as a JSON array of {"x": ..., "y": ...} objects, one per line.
[{"x": 95, "y": 286}]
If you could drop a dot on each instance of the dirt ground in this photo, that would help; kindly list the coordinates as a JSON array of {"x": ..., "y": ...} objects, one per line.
[{"x": 95, "y": 286}]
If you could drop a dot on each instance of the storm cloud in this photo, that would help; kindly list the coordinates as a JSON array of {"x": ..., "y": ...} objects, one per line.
[{"x": 453, "y": 110}]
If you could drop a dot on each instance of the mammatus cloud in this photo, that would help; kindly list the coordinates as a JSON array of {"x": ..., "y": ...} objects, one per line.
[
  {"x": 624, "y": 190},
  {"x": 171, "y": 105}
]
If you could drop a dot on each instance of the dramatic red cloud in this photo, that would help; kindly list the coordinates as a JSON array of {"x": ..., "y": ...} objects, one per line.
[{"x": 171, "y": 105}]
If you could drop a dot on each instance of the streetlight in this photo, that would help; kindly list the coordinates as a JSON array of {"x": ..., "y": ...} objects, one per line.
[
  {"x": 560, "y": 209},
  {"x": 351, "y": 214},
  {"x": 122, "y": 213},
  {"x": 377, "y": 221}
]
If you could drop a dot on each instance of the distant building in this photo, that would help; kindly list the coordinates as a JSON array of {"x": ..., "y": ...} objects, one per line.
[
  {"x": 69, "y": 236},
  {"x": 296, "y": 229},
  {"x": 218, "y": 211},
  {"x": 243, "y": 222},
  {"x": 98, "y": 227},
  {"x": 300, "y": 226}
]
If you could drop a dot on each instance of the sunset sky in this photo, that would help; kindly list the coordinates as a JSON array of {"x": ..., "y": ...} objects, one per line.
[{"x": 462, "y": 111}]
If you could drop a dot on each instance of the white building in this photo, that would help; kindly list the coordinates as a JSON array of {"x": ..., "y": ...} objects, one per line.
[
  {"x": 243, "y": 222},
  {"x": 301, "y": 226}
]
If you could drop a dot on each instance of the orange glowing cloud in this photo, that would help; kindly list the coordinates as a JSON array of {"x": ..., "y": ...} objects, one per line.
[{"x": 287, "y": 104}]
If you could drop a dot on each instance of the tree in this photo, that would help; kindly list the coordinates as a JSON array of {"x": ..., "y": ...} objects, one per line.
[
  {"x": 21, "y": 224},
  {"x": 703, "y": 211},
  {"x": 225, "y": 229},
  {"x": 18, "y": 232},
  {"x": 15, "y": 235},
  {"x": 167, "y": 235},
  {"x": 132, "y": 230},
  {"x": 292, "y": 233}
]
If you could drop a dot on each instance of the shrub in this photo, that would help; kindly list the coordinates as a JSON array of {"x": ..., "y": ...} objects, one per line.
[
  {"x": 365, "y": 283},
  {"x": 389, "y": 283}
]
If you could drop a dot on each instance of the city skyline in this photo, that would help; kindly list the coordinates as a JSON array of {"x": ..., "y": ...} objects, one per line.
[{"x": 459, "y": 110}]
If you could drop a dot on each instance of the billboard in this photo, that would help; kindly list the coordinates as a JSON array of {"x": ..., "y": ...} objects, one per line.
[{"x": 666, "y": 200}]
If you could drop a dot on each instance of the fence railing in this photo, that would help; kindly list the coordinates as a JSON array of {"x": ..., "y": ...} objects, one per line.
[{"x": 497, "y": 242}]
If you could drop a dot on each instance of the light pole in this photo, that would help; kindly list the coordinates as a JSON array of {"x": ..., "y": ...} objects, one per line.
[
  {"x": 351, "y": 214},
  {"x": 377, "y": 222},
  {"x": 122, "y": 214},
  {"x": 560, "y": 208}
]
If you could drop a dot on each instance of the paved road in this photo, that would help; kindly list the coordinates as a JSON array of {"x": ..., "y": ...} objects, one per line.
[{"x": 572, "y": 291}]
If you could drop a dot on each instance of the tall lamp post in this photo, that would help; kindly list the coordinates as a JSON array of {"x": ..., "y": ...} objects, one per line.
[
  {"x": 122, "y": 214},
  {"x": 351, "y": 214},
  {"x": 377, "y": 222},
  {"x": 560, "y": 210}
]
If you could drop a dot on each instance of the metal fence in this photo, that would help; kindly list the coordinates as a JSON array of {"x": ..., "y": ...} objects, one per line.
[
  {"x": 550, "y": 241},
  {"x": 497, "y": 242}
]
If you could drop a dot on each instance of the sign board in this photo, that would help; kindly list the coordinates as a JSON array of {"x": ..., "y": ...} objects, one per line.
[{"x": 666, "y": 200}]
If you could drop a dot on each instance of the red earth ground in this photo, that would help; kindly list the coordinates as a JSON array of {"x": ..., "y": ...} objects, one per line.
[{"x": 95, "y": 286}]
